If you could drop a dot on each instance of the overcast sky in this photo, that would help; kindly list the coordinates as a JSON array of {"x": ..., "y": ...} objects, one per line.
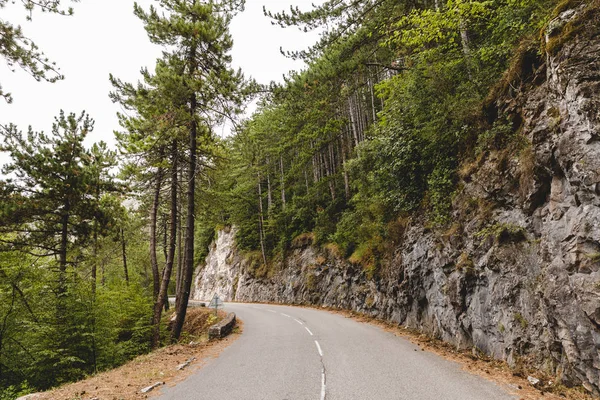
[{"x": 105, "y": 37}]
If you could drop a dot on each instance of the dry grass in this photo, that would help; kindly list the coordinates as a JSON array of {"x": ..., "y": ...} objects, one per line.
[
  {"x": 455, "y": 229},
  {"x": 255, "y": 264},
  {"x": 126, "y": 381},
  {"x": 333, "y": 250},
  {"x": 320, "y": 260},
  {"x": 583, "y": 25},
  {"x": 395, "y": 229},
  {"x": 469, "y": 167},
  {"x": 521, "y": 70},
  {"x": 303, "y": 240},
  {"x": 526, "y": 171}
]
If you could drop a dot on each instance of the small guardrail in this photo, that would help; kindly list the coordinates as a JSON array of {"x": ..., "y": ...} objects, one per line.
[{"x": 222, "y": 328}]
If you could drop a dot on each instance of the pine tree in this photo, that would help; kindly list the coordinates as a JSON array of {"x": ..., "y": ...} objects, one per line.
[
  {"x": 193, "y": 88},
  {"x": 52, "y": 211},
  {"x": 56, "y": 180},
  {"x": 20, "y": 51}
]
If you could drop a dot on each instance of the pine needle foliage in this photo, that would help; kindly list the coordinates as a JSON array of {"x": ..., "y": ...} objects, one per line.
[{"x": 20, "y": 51}]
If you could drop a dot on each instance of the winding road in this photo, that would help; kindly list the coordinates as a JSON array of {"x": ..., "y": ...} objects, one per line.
[{"x": 293, "y": 353}]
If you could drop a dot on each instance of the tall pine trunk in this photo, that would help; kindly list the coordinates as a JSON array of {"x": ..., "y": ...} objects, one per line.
[
  {"x": 180, "y": 256},
  {"x": 124, "y": 253},
  {"x": 95, "y": 263},
  {"x": 162, "y": 299},
  {"x": 62, "y": 269},
  {"x": 153, "y": 222},
  {"x": 269, "y": 193},
  {"x": 345, "y": 168},
  {"x": 188, "y": 269},
  {"x": 282, "y": 182},
  {"x": 261, "y": 222}
]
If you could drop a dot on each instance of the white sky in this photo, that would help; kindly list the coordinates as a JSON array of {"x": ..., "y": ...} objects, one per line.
[{"x": 105, "y": 37}]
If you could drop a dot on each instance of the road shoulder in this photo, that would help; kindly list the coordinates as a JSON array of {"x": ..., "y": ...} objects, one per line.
[{"x": 161, "y": 365}]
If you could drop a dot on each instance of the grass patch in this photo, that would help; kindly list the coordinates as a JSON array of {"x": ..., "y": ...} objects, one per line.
[
  {"x": 526, "y": 61},
  {"x": 256, "y": 266},
  {"x": 503, "y": 233},
  {"x": 527, "y": 170},
  {"x": 368, "y": 255},
  {"x": 396, "y": 228},
  {"x": 521, "y": 320},
  {"x": 501, "y": 327},
  {"x": 303, "y": 240},
  {"x": 594, "y": 257},
  {"x": 311, "y": 281},
  {"x": 465, "y": 264},
  {"x": 333, "y": 250}
]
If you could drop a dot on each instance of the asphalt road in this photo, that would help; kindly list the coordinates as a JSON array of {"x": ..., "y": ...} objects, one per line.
[{"x": 291, "y": 353}]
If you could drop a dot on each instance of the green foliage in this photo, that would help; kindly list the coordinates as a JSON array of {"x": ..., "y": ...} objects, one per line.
[
  {"x": 55, "y": 186},
  {"x": 503, "y": 233},
  {"x": 15, "y": 391},
  {"x": 494, "y": 138},
  {"x": 396, "y": 95},
  {"x": 122, "y": 326},
  {"x": 47, "y": 340},
  {"x": 62, "y": 222},
  {"x": 441, "y": 184},
  {"x": 359, "y": 224},
  {"x": 521, "y": 320},
  {"x": 369, "y": 256},
  {"x": 204, "y": 237}
]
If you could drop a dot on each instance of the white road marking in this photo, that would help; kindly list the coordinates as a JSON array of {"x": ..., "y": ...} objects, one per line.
[
  {"x": 285, "y": 315},
  {"x": 319, "y": 348},
  {"x": 298, "y": 321},
  {"x": 323, "y": 384},
  {"x": 274, "y": 312},
  {"x": 308, "y": 330}
]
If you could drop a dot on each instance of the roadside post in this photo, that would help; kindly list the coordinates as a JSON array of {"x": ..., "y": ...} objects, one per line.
[{"x": 216, "y": 302}]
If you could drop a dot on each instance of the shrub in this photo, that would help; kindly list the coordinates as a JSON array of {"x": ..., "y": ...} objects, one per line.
[
  {"x": 303, "y": 240},
  {"x": 503, "y": 233},
  {"x": 369, "y": 256}
]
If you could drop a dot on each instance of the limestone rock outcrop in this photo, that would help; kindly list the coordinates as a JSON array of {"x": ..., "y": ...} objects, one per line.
[{"x": 219, "y": 274}]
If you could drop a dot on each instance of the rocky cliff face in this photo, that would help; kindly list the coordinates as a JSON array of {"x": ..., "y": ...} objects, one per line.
[
  {"x": 517, "y": 276},
  {"x": 217, "y": 276}
]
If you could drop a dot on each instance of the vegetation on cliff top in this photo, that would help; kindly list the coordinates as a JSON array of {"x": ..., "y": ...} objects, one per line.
[{"x": 396, "y": 96}]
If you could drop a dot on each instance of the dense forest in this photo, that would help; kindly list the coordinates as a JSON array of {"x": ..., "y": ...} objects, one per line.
[
  {"x": 397, "y": 97},
  {"x": 90, "y": 238}
]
